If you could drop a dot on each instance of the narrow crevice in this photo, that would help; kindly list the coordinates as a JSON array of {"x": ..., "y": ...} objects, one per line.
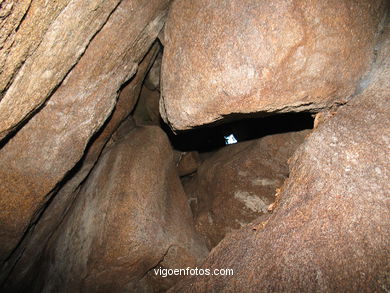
[
  {"x": 11, "y": 79},
  {"x": 29, "y": 54},
  {"x": 159, "y": 261},
  {"x": 19, "y": 248},
  {"x": 23, "y": 17}
]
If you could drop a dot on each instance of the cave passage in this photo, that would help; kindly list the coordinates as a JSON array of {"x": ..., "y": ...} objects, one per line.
[{"x": 211, "y": 138}]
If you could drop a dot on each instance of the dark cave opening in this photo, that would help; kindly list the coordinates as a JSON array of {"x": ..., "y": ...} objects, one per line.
[{"x": 211, "y": 138}]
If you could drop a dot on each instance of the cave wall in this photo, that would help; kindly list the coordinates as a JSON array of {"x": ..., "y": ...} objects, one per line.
[
  {"x": 89, "y": 198},
  {"x": 91, "y": 50},
  {"x": 330, "y": 229}
]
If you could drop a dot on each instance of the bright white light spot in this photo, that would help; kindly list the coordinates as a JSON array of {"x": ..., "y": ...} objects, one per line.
[{"x": 230, "y": 139}]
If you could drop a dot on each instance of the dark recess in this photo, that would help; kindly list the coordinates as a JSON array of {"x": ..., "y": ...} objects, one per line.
[{"x": 208, "y": 139}]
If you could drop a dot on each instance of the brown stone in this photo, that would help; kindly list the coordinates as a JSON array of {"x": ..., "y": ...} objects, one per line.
[
  {"x": 237, "y": 183},
  {"x": 224, "y": 57},
  {"x": 25, "y": 259},
  {"x": 127, "y": 100},
  {"x": 40, "y": 155},
  {"x": 43, "y": 40},
  {"x": 23, "y": 25},
  {"x": 130, "y": 216},
  {"x": 188, "y": 163},
  {"x": 331, "y": 230},
  {"x": 147, "y": 109},
  {"x": 152, "y": 80}
]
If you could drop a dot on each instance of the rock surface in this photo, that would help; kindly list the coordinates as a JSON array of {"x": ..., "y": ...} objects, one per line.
[
  {"x": 25, "y": 259},
  {"x": 42, "y": 153},
  {"x": 43, "y": 40},
  {"x": 130, "y": 216},
  {"x": 237, "y": 184},
  {"x": 224, "y": 57},
  {"x": 188, "y": 163},
  {"x": 147, "y": 109},
  {"x": 152, "y": 80},
  {"x": 331, "y": 231}
]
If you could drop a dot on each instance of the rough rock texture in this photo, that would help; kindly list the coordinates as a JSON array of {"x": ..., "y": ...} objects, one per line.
[
  {"x": 40, "y": 155},
  {"x": 127, "y": 100},
  {"x": 152, "y": 80},
  {"x": 331, "y": 231},
  {"x": 18, "y": 272},
  {"x": 42, "y": 41},
  {"x": 130, "y": 216},
  {"x": 237, "y": 183},
  {"x": 188, "y": 163},
  {"x": 224, "y": 57},
  {"x": 23, "y": 24},
  {"x": 147, "y": 109}
]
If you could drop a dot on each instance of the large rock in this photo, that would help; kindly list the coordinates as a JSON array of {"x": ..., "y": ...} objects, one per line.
[
  {"x": 224, "y": 57},
  {"x": 238, "y": 183},
  {"x": 44, "y": 151},
  {"x": 331, "y": 231},
  {"x": 17, "y": 274},
  {"x": 42, "y": 41},
  {"x": 130, "y": 216}
]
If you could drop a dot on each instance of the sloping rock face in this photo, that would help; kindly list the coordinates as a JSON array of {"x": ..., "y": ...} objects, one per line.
[
  {"x": 42, "y": 153},
  {"x": 130, "y": 216},
  {"x": 225, "y": 57},
  {"x": 331, "y": 231},
  {"x": 237, "y": 183},
  {"x": 18, "y": 272},
  {"x": 36, "y": 34}
]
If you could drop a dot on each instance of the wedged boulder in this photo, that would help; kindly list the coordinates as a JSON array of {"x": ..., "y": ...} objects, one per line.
[
  {"x": 41, "y": 43},
  {"x": 224, "y": 57},
  {"x": 46, "y": 149},
  {"x": 17, "y": 274},
  {"x": 331, "y": 231},
  {"x": 187, "y": 162},
  {"x": 238, "y": 183},
  {"x": 147, "y": 109},
  {"x": 130, "y": 216}
]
